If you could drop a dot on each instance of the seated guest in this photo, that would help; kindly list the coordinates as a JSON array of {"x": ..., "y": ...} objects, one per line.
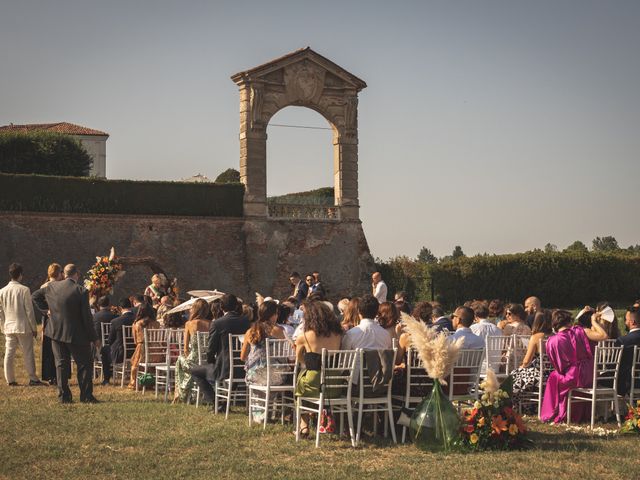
[
  {"x": 156, "y": 290},
  {"x": 175, "y": 320},
  {"x": 440, "y": 321},
  {"x": 527, "y": 377},
  {"x": 628, "y": 341},
  {"x": 532, "y": 305},
  {"x": 570, "y": 354},
  {"x": 423, "y": 312},
  {"x": 351, "y": 315},
  {"x": 144, "y": 319},
  {"x": 282, "y": 320},
  {"x": 217, "y": 367},
  {"x": 462, "y": 320},
  {"x": 104, "y": 315},
  {"x": 116, "y": 341},
  {"x": 166, "y": 304},
  {"x": 367, "y": 334},
  {"x": 496, "y": 311},
  {"x": 388, "y": 318},
  {"x": 515, "y": 322},
  {"x": 216, "y": 308},
  {"x": 482, "y": 326},
  {"x": 254, "y": 351},
  {"x": 321, "y": 330},
  {"x": 612, "y": 329},
  {"x": 342, "y": 307},
  {"x": 199, "y": 321}
]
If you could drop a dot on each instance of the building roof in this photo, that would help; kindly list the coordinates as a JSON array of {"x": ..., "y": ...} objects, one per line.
[
  {"x": 199, "y": 178},
  {"x": 60, "y": 127},
  {"x": 296, "y": 56}
]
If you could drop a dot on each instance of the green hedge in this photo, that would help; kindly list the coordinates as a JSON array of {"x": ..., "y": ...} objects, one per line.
[
  {"x": 559, "y": 279},
  {"x": 36, "y": 193}
]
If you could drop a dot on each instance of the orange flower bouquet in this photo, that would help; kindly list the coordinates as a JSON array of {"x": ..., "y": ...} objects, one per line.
[
  {"x": 103, "y": 275},
  {"x": 632, "y": 420},
  {"x": 492, "y": 423}
]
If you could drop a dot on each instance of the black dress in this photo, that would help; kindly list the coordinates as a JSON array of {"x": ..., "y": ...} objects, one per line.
[{"x": 48, "y": 362}]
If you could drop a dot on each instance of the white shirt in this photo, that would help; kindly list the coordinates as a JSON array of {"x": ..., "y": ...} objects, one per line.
[
  {"x": 484, "y": 328},
  {"x": 16, "y": 309},
  {"x": 381, "y": 291},
  {"x": 368, "y": 335},
  {"x": 471, "y": 340}
]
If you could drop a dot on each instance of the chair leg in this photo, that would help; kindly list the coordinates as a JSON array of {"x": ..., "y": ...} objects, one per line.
[
  {"x": 569, "y": 408},
  {"x": 593, "y": 409},
  {"x": 297, "y": 422},
  {"x": 215, "y": 399},
  {"x": 617, "y": 408},
  {"x": 250, "y": 402},
  {"x": 389, "y": 415},
  {"x": 266, "y": 409},
  {"x": 350, "y": 422},
  {"x": 229, "y": 392},
  {"x": 359, "y": 425},
  {"x": 318, "y": 424}
]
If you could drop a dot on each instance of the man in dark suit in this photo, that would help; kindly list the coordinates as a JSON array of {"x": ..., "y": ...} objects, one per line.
[
  {"x": 628, "y": 341},
  {"x": 71, "y": 330},
  {"x": 300, "y": 289},
  {"x": 116, "y": 342},
  {"x": 104, "y": 315},
  {"x": 440, "y": 322},
  {"x": 217, "y": 367}
]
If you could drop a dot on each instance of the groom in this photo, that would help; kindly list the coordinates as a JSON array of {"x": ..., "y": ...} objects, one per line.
[{"x": 71, "y": 331}]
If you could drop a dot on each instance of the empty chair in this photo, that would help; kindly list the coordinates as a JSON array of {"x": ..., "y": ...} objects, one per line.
[
  {"x": 465, "y": 376},
  {"x": 605, "y": 383},
  {"x": 497, "y": 359}
]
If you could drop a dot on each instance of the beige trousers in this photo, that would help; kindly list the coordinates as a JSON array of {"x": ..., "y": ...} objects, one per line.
[{"x": 25, "y": 340}]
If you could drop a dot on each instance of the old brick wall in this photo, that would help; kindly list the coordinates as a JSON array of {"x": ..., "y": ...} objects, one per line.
[{"x": 235, "y": 255}]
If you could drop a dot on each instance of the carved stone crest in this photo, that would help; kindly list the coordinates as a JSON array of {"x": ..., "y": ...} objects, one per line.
[{"x": 304, "y": 82}]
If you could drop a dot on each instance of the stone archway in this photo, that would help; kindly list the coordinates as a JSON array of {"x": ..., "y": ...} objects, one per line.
[{"x": 302, "y": 78}]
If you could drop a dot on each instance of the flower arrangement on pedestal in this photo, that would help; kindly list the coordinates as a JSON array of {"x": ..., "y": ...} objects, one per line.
[
  {"x": 632, "y": 420},
  {"x": 492, "y": 423},
  {"x": 102, "y": 276},
  {"x": 435, "y": 422}
]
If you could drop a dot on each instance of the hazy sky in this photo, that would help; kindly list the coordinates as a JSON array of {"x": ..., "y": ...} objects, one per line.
[{"x": 495, "y": 125}]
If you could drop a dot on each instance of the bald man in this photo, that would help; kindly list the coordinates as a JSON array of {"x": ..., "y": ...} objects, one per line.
[
  {"x": 378, "y": 287},
  {"x": 532, "y": 305}
]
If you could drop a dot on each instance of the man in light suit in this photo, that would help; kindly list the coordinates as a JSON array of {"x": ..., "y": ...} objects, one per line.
[
  {"x": 71, "y": 331},
  {"x": 18, "y": 323}
]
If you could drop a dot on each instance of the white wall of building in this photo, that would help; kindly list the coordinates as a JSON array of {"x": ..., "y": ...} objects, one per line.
[{"x": 96, "y": 147}]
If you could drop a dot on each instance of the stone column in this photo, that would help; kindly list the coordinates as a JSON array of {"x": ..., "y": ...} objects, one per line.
[
  {"x": 253, "y": 158},
  {"x": 345, "y": 168}
]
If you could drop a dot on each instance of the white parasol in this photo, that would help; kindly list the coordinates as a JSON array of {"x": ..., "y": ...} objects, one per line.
[
  {"x": 204, "y": 293},
  {"x": 187, "y": 305}
]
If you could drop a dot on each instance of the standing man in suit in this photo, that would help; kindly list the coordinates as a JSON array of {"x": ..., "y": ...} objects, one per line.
[
  {"x": 18, "y": 323},
  {"x": 628, "y": 341},
  {"x": 71, "y": 331},
  {"x": 116, "y": 342},
  {"x": 217, "y": 367},
  {"x": 300, "y": 289}
]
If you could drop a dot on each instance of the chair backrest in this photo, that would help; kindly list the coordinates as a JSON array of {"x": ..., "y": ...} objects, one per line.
[
  {"x": 235, "y": 347},
  {"x": 608, "y": 342},
  {"x": 174, "y": 345},
  {"x": 155, "y": 345},
  {"x": 203, "y": 344},
  {"x": 105, "y": 330},
  {"x": 365, "y": 383},
  {"x": 465, "y": 374},
  {"x": 520, "y": 344},
  {"x": 418, "y": 382},
  {"x": 128, "y": 342},
  {"x": 546, "y": 366},
  {"x": 281, "y": 360},
  {"x": 337, "y": 371},
  {"x": 606, "y": 364},
  {"x": 634, "y": 386},
  {"x": 497, "y": 347}
]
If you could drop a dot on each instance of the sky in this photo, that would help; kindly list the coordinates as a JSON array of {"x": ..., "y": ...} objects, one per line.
[{"x": 498, "y": 126}]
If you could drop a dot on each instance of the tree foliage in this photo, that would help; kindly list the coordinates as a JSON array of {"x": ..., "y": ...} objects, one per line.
[
  {"x": 44, "y": 153},
  {"x": 425, "y": 256},
  {"x": 550, "y": 248},
  {"x": 230, "y": 175},
  {"x": 605, "y": 244},
  {"x": 577, "y": 247}
]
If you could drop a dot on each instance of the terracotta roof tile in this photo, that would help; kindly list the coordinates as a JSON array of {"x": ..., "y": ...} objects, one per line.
[{"x": 61, "y": 127}]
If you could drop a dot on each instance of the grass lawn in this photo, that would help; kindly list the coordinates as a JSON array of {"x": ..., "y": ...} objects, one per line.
[{"x": 133, "y": 436}]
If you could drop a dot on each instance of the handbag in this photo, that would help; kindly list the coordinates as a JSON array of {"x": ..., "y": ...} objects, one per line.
[{"x": 146, "y": 380}]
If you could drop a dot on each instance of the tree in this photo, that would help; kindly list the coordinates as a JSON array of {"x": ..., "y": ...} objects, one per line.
[
  {"x": 230, "y": 175},
  {"x": 605, "y": 244},
  {"x": 457, "y": 253},
  {"x": 44, "y": 153},
  {"x": 577, "y": 247},
  {"x": 425, "y": 256},
  {"x": 550, "y": 248}
]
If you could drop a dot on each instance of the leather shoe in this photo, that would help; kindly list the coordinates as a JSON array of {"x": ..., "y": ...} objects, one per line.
[
  {"x": 105, "y": 382},
  {"x": 90, "y": 400},
  {"x": 13, "y": 384},
  {"x": 66, "y": 401},
  {"x": 34, "y": 383}
]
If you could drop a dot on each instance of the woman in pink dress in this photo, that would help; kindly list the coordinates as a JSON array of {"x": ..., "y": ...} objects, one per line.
[{"x": 571, "y": 354}]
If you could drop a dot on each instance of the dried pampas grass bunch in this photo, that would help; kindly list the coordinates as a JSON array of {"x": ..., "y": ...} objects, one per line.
[{"x": 437, "y": 353}]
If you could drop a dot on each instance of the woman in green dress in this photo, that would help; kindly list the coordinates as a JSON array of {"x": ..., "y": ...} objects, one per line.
[{"x": 199, "y": 321}]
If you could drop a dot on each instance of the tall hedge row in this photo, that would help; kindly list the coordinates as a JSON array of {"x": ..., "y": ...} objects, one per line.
[
  {"x": 38, "y": 193},
  {"x": 559, "y": 279}
]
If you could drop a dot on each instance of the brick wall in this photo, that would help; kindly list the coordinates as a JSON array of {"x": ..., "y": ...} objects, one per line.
[{"x": 240, "y": 255}]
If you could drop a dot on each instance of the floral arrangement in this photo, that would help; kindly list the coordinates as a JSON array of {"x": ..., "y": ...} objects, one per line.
[
  {"x": 434, "y": 423},
  {"x": 493, "y": 424},
  {"x": 103, "y": 275},
  {"x": 632, "y": 420}
]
